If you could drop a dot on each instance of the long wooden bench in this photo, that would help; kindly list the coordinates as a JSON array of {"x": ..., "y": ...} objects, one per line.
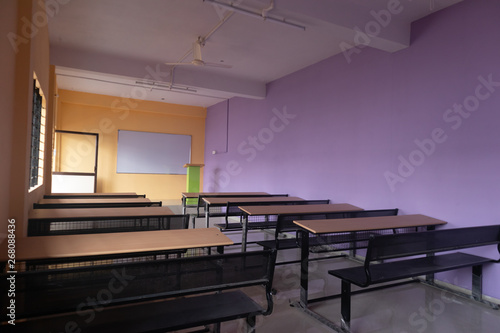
[
  {"x": 232, "y": 210},
  {"x": 416, "y": 254},
  {"x": 150, "y": 296},
  {"x": 285, "y": 225}
]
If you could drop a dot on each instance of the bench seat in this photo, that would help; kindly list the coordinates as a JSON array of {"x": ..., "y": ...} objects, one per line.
[
  {"x": 149, "y": 295},
  {"x": 237, "y": 226},
  {"x": 399, "y": 254},
  {"x": 159, "y": 316},
  {"x": 315, "y": 244},
  {"x": 229, "y": 226},
  {"x": 403, "y": 269}
]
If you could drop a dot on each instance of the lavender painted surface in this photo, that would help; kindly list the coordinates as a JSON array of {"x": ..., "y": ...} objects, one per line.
[{"x": 384, "y": 131}]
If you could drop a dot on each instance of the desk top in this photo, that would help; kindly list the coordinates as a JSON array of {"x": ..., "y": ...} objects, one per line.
[
  {"x": 93, "y": 201},
  {"x": 196, "y": 194},
  {"x": 44, "y": 247},
  {"x": 367, "y": 223},
  {"x": 243, "y": 200},
  {"x": 65, "y": 213},
  {"x": 92, "y": 195},
  {"x": 298, "y": 209}
]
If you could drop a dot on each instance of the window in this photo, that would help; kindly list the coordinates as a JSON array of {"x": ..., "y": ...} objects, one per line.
[{"x": 37, "y": 137}]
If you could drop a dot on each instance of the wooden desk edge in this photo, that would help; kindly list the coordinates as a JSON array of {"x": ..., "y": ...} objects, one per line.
[
  {"x": 43, "y": 241},
  {"x": 247, "y": 209},
  {"x": 236, "y": 200},
  {"x": 100, "y": 213},
  {"x": 303, "y": 223}
]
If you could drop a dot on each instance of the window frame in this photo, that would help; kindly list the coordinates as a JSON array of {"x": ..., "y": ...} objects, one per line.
[{"x": 38, "y": 136}]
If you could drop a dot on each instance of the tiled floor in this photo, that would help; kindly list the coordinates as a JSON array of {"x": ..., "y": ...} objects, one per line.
[{"x": 410, "y": 308}]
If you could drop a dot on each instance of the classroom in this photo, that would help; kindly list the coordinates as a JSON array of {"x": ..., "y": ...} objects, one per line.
[{"x": 382, "y": 106}]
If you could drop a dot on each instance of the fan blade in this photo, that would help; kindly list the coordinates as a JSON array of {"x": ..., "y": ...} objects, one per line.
[{"x": 178, "y": 63}]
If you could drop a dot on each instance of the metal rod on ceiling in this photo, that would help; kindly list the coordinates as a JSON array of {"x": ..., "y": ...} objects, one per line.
[
  {"x": 268, "y": 9},
  {"x": 202, "y": 40},
  {"x": 257, "y": 15},
  {"x": 217, "y": 26}
]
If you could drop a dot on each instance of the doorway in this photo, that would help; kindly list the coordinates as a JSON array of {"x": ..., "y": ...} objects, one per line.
[{"x": 75, "y": 162}]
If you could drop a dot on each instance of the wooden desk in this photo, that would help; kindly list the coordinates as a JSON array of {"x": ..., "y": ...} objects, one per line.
[
  {"x": 226, "y": 194},
  {"x": 73, "y": 246},
  {"x": 297, "y": 209},
  {"x": 196, "y": 195},
  {"x": 44, "y": 222},
  {"x": 223, "y": 201},
  {"x": 93, "y": 195},
  {"x": 291, "y": 210},
  {"x": 95, "y": 203},
  {"x": 85, "y": 213},
  {"x": 319, "y": 227}
]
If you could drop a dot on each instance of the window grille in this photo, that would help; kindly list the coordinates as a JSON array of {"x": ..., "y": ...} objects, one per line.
[{"x": 37, "y": 137}]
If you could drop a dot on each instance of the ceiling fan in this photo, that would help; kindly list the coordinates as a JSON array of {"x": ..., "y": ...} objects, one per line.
[{"x": 197, "y": 60}]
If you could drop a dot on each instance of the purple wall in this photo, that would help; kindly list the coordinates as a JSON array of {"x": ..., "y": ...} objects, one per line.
[{"x": 417, "y": 129}]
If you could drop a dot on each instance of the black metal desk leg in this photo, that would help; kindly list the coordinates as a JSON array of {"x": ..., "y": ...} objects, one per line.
[
  {"x": 304, "y": 267},
  {"x": 207, "y": 215},
  {"x": 251, "y": 320},
  {"x": 244, "y": 233},
  {"x": 345, "y": 305},
  {"x": 429, "y": 278}
]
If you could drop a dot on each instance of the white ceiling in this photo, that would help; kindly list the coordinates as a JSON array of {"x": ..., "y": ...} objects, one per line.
[{"x": 119, "y": 47}]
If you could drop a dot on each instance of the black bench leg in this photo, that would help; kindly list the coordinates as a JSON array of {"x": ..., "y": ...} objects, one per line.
[
  {"x": 304, "y": 268},
  {"x": 477, "y": 283},
  {"x": 345, "y": 306},
  {"x": 429, "y": 278},
  {"x": 251, "y": 324}
]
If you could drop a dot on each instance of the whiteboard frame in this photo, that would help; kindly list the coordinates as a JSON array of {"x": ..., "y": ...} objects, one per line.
[{"x": 141, "y": 152}]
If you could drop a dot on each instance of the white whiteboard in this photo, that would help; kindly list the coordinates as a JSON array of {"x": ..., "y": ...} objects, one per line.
[{"x": 158, "y": 153}]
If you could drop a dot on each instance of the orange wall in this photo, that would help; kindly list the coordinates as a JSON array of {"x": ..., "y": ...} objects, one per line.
[
  {"x": 105, "y": 115},
  {"x": 8, "y": 23},
  {"x": 25, "y": 51}
]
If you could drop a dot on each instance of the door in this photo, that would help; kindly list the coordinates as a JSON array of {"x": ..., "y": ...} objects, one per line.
[{"x": 75, "y": 162}]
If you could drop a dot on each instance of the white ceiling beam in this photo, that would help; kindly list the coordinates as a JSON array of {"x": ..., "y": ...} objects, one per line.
[
  {"x": 377, "y": 23},
  {"x": 218, "y": 85}
]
